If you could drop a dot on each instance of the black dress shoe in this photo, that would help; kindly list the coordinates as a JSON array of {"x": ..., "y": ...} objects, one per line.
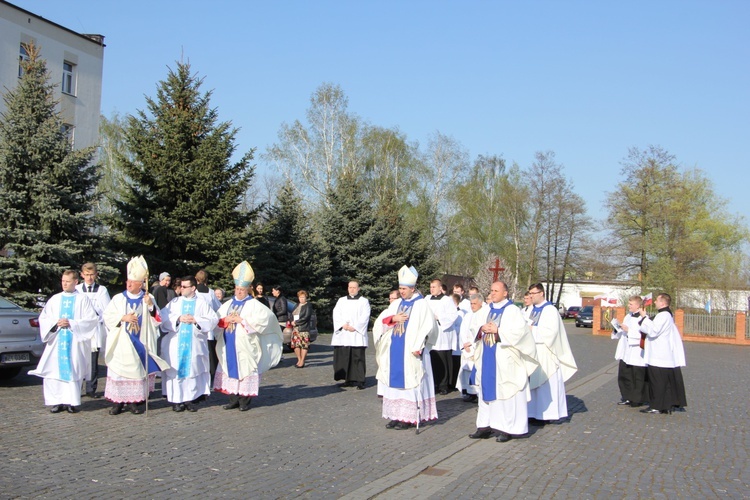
[
  {"x": 650, "y": 410},
  {"x": 470, "y": 398},
  {"x": 623, "y": 403},
  {"x": 56, "y": 409},
  {"x": 392, "y": 424},
  {"x": 403, "y": 425},
  {"x": 481, "y": 434},
  {"x": 245, "y": 407},
  {"x": 71, "y": 409},
  {"x": 133, "y": 407},
  {"x": 93, "y": 395},
  {"x": 190, "y": 407},
  {"x": 360, "y": 387},
  {"x": 503, "y": 437},
  {"x": 179, "y": 407},
  {"x": 232, "y": 405},
  {"x": 443, "y": 392},
  {"x": 116, "y": 409}
]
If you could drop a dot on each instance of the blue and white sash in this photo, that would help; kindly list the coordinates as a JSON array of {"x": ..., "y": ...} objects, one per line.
[
  {"x": 489, "y": 361},
  {"x": 185, "y": 340},
  {"x": 230, "y": 340},
  {"x": 398, "y": 346},
  {"x": 134, "y": 331},
  {"x": 65, "y": 339},
  {"x": 536, "y": 312}
]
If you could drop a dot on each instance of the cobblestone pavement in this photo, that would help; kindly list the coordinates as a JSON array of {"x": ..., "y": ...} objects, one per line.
[{"x": 306, "y": 437}]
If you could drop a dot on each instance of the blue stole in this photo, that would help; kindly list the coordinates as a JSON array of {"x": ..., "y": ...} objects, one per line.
[
  {"x": 134, "y": 332},
  {"x": 185, "y": 340},
  {"x": 230, "y": 339},
  {"x": 398, "y": 346},
  {"x": 536, "y": 312},
  {"x": 489, "y": 362},
  {"x": 65, "y": 339}
]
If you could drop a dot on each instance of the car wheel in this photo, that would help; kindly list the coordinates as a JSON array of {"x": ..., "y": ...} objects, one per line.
[{"x": 9, "y": 373}]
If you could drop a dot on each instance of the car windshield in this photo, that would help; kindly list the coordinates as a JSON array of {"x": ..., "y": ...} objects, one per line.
[
  {"x": 587, "y": 309},
  {"x": 6, "y": 304}
]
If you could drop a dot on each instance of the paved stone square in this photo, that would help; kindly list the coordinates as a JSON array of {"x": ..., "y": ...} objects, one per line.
[{"x": 306, "y": 437}]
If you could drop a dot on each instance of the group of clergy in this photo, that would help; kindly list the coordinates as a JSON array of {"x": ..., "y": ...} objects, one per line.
[
  {"x": 516, "y": 362},
  {"x": 248, "y": 343}
]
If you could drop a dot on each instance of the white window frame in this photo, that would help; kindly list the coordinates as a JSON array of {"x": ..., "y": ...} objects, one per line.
[
  {"x": 68, "y": 78},
  {"x": 22, "y": 56}
]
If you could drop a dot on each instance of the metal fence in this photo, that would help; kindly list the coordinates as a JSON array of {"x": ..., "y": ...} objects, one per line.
[{"x": 711, "y": 325}]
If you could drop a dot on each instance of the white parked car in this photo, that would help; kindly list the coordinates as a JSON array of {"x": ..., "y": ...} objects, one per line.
[{"x": 20, "y": 342}]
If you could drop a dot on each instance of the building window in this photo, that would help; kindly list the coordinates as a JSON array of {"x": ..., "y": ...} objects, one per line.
[
  {"x": 23, "y": 56},
  {"x": 68, "y": 78},
  {"x": 69, "y": 131}
]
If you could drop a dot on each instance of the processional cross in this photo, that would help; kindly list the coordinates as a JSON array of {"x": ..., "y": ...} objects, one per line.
[{"x": 496, "y": 270}]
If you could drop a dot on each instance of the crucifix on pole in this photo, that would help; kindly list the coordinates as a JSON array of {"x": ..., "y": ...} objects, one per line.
[{"x": 496, "y": 270}]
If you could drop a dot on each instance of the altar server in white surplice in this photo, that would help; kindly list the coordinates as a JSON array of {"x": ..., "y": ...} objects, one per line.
[
  {"x": 402, "y": 351},
  {"x": 665, "y": 356},
  {"x": 505, "y": 357},
  {"x": 67, "y": 324},
  {"x": 555, "y": 358},
  {"x": 249, "y": 343},
  {"x": 132, "y": 333},
  {"x": 350, "y": 319},
  {"x": 99, "y": 297},
  {"x": 446, "y": 314},
  {"x": 631, "y": 376},
  {"x": 188, "y": 319}
]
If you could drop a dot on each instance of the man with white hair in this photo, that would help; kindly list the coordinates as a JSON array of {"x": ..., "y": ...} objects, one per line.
[
  {"x": 470, "y": 325},
  {"x": 132, "y": 332},
  {"x": 402, "y": 348}
]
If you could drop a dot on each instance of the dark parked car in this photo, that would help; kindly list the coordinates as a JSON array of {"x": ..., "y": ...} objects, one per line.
[
  {"x": 291, "y": 305},
  {"x": 20, "y": 342},
  {"x": 572, "y": 312},
  {"x": 585, "y": 317}
]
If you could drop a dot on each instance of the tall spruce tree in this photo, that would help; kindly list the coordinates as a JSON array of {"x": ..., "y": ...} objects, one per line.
[
  {"x": 361, "y": 243},
  {"x": 45, "y": 191},
  {"x": 182, "y": 206},
  {"x": 290, "y": 255}
]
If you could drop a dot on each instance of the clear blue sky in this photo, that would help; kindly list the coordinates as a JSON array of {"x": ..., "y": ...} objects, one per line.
[{"x": 584, "y": 79}]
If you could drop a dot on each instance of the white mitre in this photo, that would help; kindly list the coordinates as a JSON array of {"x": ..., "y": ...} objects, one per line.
[
  {"x": 137, "y": 269},
  {"x": 407, "y": 276},
  {"x": 243, "y": 274}
]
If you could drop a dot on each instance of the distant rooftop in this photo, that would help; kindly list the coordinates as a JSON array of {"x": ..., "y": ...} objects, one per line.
[{"x": 97, "y": 39}]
